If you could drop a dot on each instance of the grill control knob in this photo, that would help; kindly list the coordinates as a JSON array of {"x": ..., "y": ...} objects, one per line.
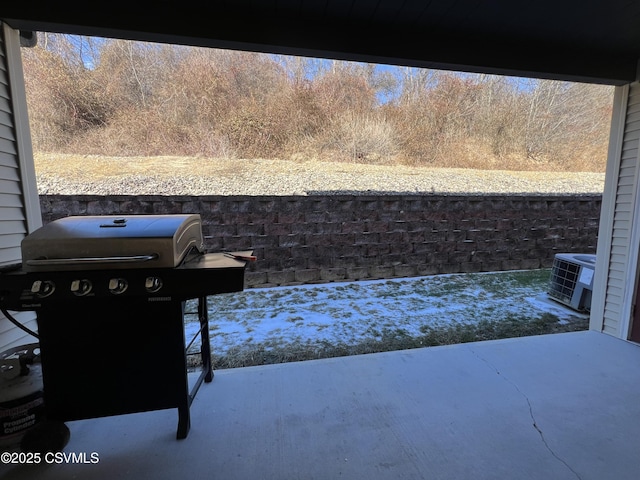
[
  {"x": 43, "y": 288},
  {"x": 81, "y": 287},
  {"x": 118, "y": 285},
  {"x": 153, "y": 284}
]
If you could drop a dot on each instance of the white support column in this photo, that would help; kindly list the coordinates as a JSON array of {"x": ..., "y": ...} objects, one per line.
[
  {"x": 24, "y": 147},
  {"x": 21, "y": 212},
  {"x": 605, "y": 231}
]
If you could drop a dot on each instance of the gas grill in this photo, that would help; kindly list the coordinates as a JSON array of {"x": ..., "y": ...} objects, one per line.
[{"x": 110, "y": 293}]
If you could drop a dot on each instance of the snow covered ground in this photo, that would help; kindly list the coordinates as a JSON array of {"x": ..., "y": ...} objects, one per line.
[{"x": 347, "y": 313}]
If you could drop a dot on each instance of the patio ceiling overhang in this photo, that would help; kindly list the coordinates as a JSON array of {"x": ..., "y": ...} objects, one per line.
[{"x": 594, "y": 41}]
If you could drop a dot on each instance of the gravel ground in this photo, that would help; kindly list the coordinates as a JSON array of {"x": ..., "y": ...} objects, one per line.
[{"x": 92, "y": 175}]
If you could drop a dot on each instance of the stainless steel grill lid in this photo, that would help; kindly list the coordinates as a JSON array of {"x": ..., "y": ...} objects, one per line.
[{"x": 110, "y": 241}]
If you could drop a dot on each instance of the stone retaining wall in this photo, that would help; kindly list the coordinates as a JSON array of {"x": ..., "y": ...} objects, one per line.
[{"x": 310, "y": 239}]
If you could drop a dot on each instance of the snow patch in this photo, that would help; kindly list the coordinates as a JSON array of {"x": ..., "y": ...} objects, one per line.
[{"x": 353, "y": 311}]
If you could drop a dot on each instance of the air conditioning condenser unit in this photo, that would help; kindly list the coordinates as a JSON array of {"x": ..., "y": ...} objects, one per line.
[{"x": 571, "y": 281}]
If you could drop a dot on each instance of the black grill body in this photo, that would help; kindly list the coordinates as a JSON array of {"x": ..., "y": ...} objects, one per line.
[{"x": 112, "y": 338}]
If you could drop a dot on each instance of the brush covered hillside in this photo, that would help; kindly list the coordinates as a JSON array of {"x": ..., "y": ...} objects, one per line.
[{"x": 93, "y": 98}]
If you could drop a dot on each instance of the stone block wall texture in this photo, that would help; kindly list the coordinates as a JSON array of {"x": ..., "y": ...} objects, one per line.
[{"x": 319, "y": 239}]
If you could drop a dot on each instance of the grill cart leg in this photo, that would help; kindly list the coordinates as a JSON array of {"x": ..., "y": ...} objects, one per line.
[
  {"x": 203, "y": 315},
  {"x": 184, "y": 422},
  {"x": 206, "y": 375}
]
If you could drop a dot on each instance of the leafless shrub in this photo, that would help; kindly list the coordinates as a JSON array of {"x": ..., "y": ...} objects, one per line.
[
  {"x": 63, "y": 100},
  {"x": 114, "y": 97},
  {"x": 358, "y": 138}
]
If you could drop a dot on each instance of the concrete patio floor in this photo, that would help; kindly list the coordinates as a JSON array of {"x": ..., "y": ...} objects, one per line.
[{"x": 563, "y": 406}]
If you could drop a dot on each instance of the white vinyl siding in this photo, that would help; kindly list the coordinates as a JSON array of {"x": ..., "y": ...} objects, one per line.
[
  {"x": 621, "y": 257},
  {"x": 10, "y": 193},
  {"x": 19, "y": 209}
]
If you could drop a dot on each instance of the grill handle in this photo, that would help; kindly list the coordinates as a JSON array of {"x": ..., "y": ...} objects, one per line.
[{"x": 41, "y": 262}]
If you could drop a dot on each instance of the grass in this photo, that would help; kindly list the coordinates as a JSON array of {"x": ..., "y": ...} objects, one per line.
[
  {"x": 272, "y": 352},
  {"x": 288, "y": 324}
]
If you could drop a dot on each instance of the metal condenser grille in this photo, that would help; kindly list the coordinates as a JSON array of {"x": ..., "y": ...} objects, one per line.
[{"x": 564, "y": 276}]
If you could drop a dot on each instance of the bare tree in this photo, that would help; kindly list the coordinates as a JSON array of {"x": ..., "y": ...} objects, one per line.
[{"x": 117, "y": 97}]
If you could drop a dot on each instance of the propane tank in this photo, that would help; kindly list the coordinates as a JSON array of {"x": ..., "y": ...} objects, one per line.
[{"x": 21, "y": 396}]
